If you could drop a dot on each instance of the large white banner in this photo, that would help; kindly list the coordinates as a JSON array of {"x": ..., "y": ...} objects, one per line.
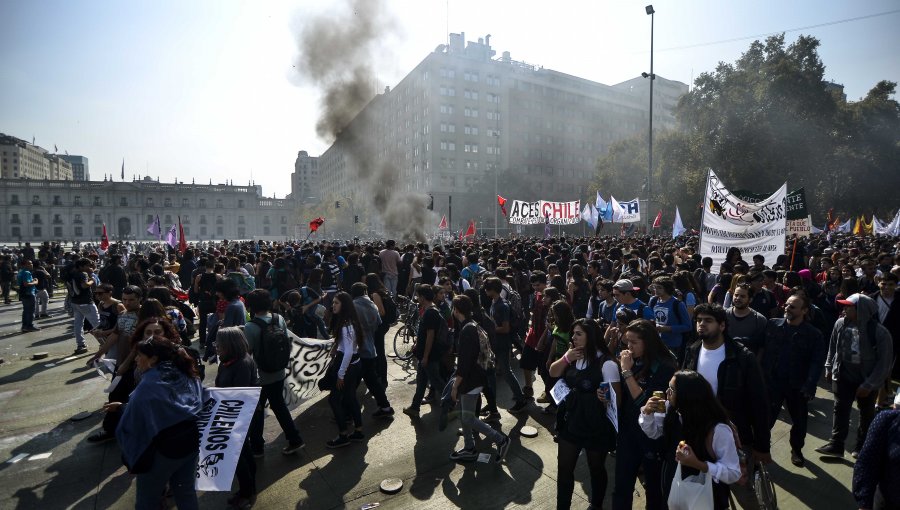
[
  {"x": 754, "y": 228},
  {"x": 631, "y": 211},
  {"x": 223, "y": 425},
  {"x": 531, "y": 213},
  {"x": 309, "y": 362}
]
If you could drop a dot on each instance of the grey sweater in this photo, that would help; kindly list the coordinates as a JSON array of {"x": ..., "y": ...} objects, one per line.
[{"x": 875, "y": 364}]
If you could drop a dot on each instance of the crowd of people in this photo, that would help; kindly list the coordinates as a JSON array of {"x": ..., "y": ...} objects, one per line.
[{"x": 643, "y": 349}]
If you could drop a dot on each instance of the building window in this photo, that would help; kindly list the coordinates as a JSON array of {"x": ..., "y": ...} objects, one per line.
[
  {"x": 240, "y": 204},
  {"x": 186, "y": 219},
  {"x": 57, "y": 200},
  {"x": 283, "y": 220},
  {"x": 265, "y": 220},
  {"x": 36, "y": 232},
  {"x": 220, "y": 231},
  {"x": 76, "y": 201},
  {"x": 168, "y": 219},
  {"x": 187, "y": 232},
  {"x": 57, "y": 219},
  {"x": 149, "y": 219},
  {"x": 36, "y": 219},
  {"x": 76, "y": 219},
  {"x": 16, "y": 232},
  {"x": 220, "y": 220},
  {"x": 240, "y": 220},
  {"x": 149, "y": 201},
  {"x": 185, "y": 202},
  {"x": 15, "y": 220},
  {"x": 202, "y": 231},
  {"x": 203, "y": 222},
  {"x": 98, "y": 219},
  {"x": 123, "y": 202},
  {"x": 167, "y": 202},
  {"x": 98, "y": 201},
  {"x": 218, "y": 203},
  {"x": 202, "y": 203},
  {"x": 14, "y": 200},
  {"x": 79, "y": 231},
  {"x": 98, "y": 231},
  {"x": 35, "y": 200},
  {"x": 242, "y": 232}
]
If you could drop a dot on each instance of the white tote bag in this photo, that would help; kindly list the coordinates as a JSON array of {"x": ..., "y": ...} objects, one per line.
[{"x": 693, "y": 493}]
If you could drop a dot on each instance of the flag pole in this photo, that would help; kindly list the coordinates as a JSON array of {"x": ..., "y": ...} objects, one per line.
[{"x": 793, "y": 253}]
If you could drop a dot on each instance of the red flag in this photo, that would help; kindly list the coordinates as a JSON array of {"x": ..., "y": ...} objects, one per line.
[
  {"x": 443, "y": 225},
  {"x": 316, "y": 223},
  {"x": 182, "y": 242},
  {"x": 471, "y": 230},
  {"x": 104, "y": 241},
  {"x": 658, "y": 221},
  {"x": 502, "y": 203}
]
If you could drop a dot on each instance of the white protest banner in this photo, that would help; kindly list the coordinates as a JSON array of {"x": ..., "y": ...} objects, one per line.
[
  {"x": 754, "y": 228},
  {"x": 309, "y": 362},
  {"x": 223, "y": 426},
  {"x": 533, "y": 213},
  {"x": 631, "y": 211}
]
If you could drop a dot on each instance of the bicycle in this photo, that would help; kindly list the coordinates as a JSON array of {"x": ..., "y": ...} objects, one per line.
[{"x": 405, "y": 337}]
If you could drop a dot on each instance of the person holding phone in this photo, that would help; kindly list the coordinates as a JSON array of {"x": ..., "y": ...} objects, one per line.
[{"x": 581, "y": 421}]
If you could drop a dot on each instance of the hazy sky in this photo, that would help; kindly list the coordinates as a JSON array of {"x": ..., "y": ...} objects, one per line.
[{"x": 207, "y": 89}]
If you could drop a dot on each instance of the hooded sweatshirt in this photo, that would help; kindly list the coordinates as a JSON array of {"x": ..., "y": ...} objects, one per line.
[{"x": 852, "y": 353}]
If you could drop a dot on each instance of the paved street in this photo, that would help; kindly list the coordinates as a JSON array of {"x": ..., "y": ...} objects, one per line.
[{"x": 45, "y": 462}]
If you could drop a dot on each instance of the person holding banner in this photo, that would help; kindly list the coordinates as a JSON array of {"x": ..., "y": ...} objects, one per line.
[
  {"x": 348, "y": 340},
  {"x": 238, "y": 370},
  {"x": 158, "y": 432}
]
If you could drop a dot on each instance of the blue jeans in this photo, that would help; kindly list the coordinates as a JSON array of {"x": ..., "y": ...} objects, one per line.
[
  {"x": 390, "y": 282},
  {"x": 425, "y": 374},
  {"x": 82, "y": 312},
  {"x": 502, "y": 353},
  {"x": 180, "y": 474},
  {"x": 28, "y": 302},
  {"x": 468, "y": 416}
]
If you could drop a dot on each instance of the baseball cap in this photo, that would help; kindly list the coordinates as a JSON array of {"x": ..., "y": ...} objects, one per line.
[
  {"x": 625, "y": 285},
  {"x": 850, "y": 301}
]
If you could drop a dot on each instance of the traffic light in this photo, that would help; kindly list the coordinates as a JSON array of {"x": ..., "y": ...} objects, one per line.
[
  {"x": 431, "y": 202},
  {"x": 337, "y": 204},
  {"x": 355, "y": 219}
]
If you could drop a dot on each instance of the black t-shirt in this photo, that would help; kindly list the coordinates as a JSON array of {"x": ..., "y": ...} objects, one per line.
[
  {"x": 431, "y": 321},
  {"x": 81, "y": 295},
  {"x": 763, "y": 302},
  {"x": 501, "y": 313}
]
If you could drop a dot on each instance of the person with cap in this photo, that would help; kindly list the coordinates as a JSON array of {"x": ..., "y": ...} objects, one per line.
[
  {"x": 625, "y": 294},
  {"x": 859, "y": 358},
  {"x": 876, "y": 475}
]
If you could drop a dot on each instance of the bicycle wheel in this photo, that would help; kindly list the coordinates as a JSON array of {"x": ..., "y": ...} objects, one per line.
[{"x": 403, "y": 342}]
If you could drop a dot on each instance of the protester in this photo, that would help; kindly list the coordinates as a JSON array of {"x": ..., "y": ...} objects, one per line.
[
  {"x": 348, "y": 341},
  {"x": 27, "y": 290},
  {"x": 877, "y": 470},
  {"x": 501, "y": 313},
  {"x": 158, "y": 431},
  {"x": 428, "y": 349},
  {"x": 370, "y": 321},
  {"x": 81, "y": 297}
]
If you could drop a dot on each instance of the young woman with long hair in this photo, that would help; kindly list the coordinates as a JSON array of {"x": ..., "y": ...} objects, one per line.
[
  {"x": 647, "y": 367},
  {"x": 589, "y": 370},
  {"x": 348, "y": 339},
  {"x": 696, "y": 433}
]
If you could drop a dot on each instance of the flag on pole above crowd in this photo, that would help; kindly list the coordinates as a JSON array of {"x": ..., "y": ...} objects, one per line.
[
  {"x": 502, "y": 203},
  {"x": 587, "y": 215},
  {"x": 657, "y": 223},
  {"x": 603, "y": 209},
  {"x": 104, "y": 241},
  {"x": 172, "y": 236},
  {"x": 316, "y": 223},
  {"x": 182, "y": 242},
  {"x": 443, "y": 225},
  {"x": 677, "y": 227},
  {"x": 155, "y": 228}
]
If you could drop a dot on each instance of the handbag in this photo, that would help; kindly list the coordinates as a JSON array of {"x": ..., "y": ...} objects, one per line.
[
  {"x": 329, "y": 379},
  {"x": 693, "y": 493}
]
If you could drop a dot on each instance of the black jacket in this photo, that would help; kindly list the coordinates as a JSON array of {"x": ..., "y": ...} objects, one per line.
[
  {"x": 807, "y": 355},
  {"x": 742, "y": 392}
]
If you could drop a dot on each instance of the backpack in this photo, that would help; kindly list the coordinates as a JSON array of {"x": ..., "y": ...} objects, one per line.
[
  {"x": 390, "y": 309},
  {"x": 442, "y": 341},
  {"x": 274, "y": 352},
  {"x": 486, "y": 358},
  {"x": 472, "y": 276},
  {"x": 515, "y": 305},
  {"x": 246, "y": 284}
]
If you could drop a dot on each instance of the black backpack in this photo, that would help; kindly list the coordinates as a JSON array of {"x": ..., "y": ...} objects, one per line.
[
  {"x": 390, "y": 309},
  {"x": 274, "y": 352}
]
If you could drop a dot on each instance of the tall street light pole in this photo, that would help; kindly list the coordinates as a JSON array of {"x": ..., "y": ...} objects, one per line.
[{"x": 652, "y": 77}]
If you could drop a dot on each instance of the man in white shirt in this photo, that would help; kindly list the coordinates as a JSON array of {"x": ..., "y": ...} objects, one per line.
[{"x": 390, "y": 261}]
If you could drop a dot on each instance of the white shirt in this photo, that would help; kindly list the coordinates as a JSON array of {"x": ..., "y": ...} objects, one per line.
[
  {"x": 708, "y": 365},
  {"x": 726, "y": 468}
]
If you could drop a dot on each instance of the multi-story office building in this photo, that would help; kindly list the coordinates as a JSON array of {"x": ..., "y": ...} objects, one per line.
[
  {"x": 80, "y": 170},
  {"x": 22, "y": 160},
  {"x": 467, "y": 125},
  {"x": 39, "y": 210},
  {"x": 305, "y": 183}
]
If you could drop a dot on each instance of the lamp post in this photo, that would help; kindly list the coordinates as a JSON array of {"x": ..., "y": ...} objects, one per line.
[{"x": 650, "y": 12}]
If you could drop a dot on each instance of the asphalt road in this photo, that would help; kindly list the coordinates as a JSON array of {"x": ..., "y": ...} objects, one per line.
[{"x": 46, "y": 463}]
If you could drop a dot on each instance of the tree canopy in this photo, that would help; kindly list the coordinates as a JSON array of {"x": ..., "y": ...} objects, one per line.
[{"x": 768, "y": 118}]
